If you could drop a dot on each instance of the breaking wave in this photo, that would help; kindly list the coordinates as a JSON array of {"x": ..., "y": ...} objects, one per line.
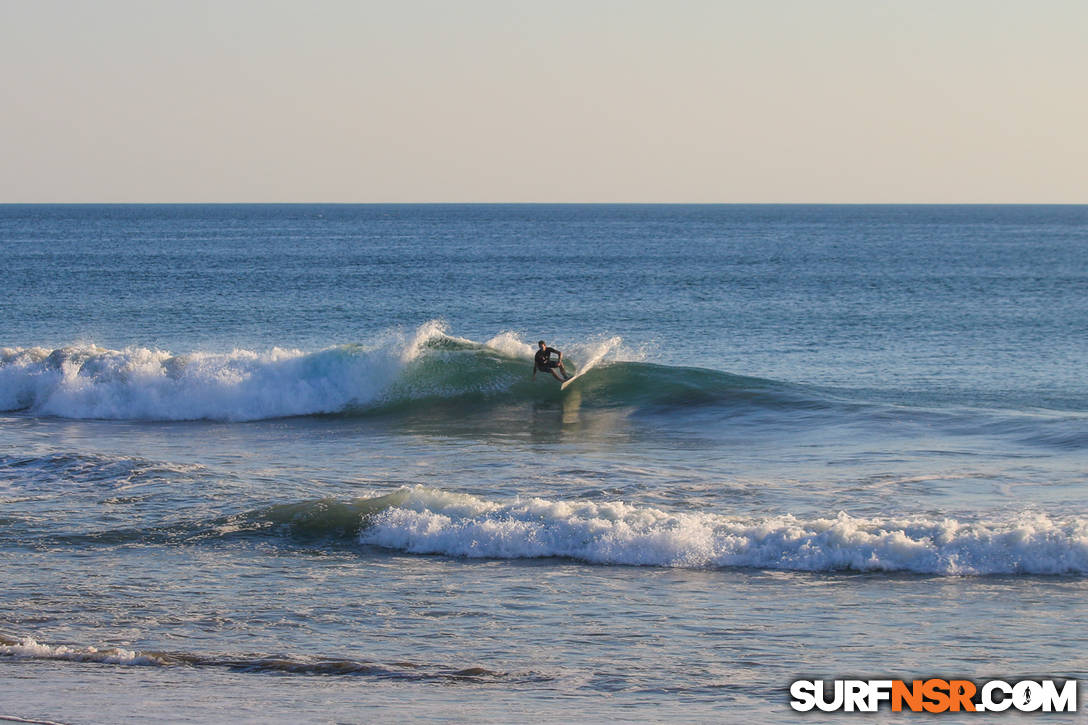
[
  {"x": 421, "y": 520},
  {"x": 400, "y": 371},
  {"x": 435, "y": 522}
]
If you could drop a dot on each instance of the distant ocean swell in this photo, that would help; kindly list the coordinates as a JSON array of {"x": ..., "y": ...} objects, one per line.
[
  {"x": 89, "y": 382},
  {"x": 424, "y": 520}
]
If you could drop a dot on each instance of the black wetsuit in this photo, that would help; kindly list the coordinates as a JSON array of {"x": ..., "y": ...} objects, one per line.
[{"x": 544, "y": 360}]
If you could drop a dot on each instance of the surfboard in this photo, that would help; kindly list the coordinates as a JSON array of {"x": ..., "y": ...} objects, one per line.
[
  {"x": 570, "y": 380},
  {"x": 581, "y": 371}
]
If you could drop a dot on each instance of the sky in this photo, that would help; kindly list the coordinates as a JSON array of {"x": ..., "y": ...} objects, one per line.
[{"x": 728, "y": 101}]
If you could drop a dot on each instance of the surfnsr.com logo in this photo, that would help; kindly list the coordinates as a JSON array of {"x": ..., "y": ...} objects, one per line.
[{"x": 934, "y": 695}]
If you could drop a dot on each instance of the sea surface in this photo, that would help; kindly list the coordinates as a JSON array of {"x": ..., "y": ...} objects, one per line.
[{"x": 289, "y": 463}]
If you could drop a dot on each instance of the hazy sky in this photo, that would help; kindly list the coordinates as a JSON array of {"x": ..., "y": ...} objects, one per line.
[{"x": 545, "y": 100}]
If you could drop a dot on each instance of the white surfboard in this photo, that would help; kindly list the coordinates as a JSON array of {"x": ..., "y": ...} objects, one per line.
[
  {"x": 572, "y": 378},
  {"x": 597, "y": 357}
]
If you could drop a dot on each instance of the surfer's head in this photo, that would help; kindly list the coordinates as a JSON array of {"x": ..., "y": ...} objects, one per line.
[{"x": 542, "y": 343}]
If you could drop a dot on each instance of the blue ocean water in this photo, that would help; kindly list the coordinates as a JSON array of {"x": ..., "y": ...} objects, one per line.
[{"x": 289, "y": 462}]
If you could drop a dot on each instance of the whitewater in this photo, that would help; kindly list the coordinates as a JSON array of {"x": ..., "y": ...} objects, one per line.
[
  {"x": 283, "y": 463},
  {"x": 87, "y": 381}
]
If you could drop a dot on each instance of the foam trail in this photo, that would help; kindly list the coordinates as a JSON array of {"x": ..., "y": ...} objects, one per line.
[
  {"x": 30, "y": 649},
  {"x": 435, "y": 522}
]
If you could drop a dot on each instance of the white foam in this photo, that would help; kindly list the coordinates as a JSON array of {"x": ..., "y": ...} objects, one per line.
[
  {"x": 435, "y": 522},
  {"x": 29, "y": 648},
  {"x": 138, "y": 383},
  {"x": 511, "y": 345}
]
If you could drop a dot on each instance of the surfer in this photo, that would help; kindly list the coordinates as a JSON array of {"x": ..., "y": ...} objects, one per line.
[{"x": 543, "y": 362}]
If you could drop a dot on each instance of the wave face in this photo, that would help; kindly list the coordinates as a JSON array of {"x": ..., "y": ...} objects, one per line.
[
  {"x": 401, "y": 371},
  {"x": 427, "y": 521}
]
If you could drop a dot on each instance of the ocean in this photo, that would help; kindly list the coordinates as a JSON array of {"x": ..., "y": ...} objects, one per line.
[{"x": 288, "y": 463}]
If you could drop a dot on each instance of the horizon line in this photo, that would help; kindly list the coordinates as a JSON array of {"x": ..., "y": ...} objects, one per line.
[{"x": 543, "y": 203}]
